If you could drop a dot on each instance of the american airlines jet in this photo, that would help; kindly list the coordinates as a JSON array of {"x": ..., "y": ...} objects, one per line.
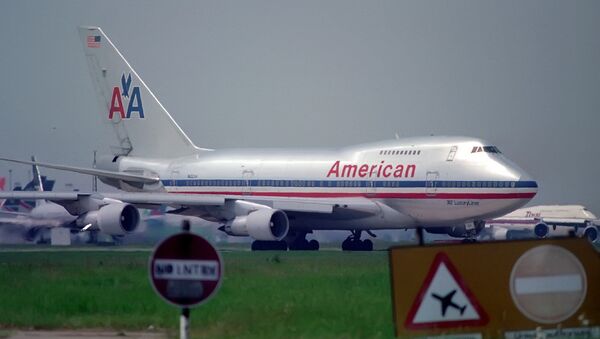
[{"x": 446, "y": 185}]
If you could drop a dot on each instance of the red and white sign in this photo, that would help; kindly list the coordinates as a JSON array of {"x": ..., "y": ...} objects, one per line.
[
  {"x": 185, "y": 269},
  {"x": 444, "y": 300},
  {"x": 548, "y": 284}
]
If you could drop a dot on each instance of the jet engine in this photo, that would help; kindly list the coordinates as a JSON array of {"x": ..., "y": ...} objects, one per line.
[
  {"x": 499, "y": 233},
  {"x": 113, "y": 219},
  {"x": 541, "y": 230},
  {"x": 591, "y": 233},
  {"x": 262, "y": 224}
]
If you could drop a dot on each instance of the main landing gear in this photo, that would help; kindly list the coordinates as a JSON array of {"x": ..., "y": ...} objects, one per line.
[
  {"x": 353, "y": 242},
  {"x": 294, "y": 241},
  {"x": 299, "y": 243},
  {"x": 262, "y": 245}
]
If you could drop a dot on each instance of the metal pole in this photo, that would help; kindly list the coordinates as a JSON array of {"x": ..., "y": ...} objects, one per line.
[
  {"x": 184, "y": 323},
  {"x": 420, "y": 236},
  {"x": 94, "y": 178},
  {"x": 185, "y": 225},
  {"x": 10, "y": 186},
  {"x": 184, "y": 320}
]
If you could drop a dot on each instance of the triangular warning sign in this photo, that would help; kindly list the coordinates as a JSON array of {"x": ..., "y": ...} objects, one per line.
[{"x": 444, "y": 300}]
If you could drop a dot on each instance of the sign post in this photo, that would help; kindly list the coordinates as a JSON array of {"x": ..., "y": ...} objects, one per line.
[
  {"x": 185, "y": 270},
  {"x": 508, "y": 289}
]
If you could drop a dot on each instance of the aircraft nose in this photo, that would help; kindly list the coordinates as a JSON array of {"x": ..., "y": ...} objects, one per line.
[{"x": 527, "y": 183}]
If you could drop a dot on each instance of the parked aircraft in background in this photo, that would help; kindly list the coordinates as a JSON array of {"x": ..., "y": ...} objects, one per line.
[
  {"x": 24, "y": 206},
  {"x": 33, "y": 221},
  {"x": 21, "y": 220},
  {"x": 447, "y": 185},
  {"x": 543, "y": 221}
]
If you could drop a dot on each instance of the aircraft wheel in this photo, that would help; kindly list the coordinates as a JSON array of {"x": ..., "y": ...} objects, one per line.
[
  {"x": 367, "y": 245},
  {"x": 281, "y": 245},
  {"x": 313, "y": 245},
  {"x": 261, "y": 245},
  {"x": 347, "y": 245},
  {"x": 298, "y": 245}
]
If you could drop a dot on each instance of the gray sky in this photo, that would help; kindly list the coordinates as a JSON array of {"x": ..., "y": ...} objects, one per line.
[{"x": 524, "y": 75}]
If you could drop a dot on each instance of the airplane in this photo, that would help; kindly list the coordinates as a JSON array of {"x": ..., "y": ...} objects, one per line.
[
  {"x": 447, "y": 185},
  {"x": 446, "y": 301},
  {"x": 25, "y": 206},
  {"x": 543, "y": 221},
  {"x": 22, "y": 219},
  {"x": 33, "y": 221}
]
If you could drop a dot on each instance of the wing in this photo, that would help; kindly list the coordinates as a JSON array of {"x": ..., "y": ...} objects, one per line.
[
  {"x": 183, "y": 201},
  {"x": 566, "y": 222}
]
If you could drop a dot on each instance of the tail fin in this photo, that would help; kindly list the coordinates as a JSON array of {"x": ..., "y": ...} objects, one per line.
[
  {"x": 142, "y": 125},
  {"x": 37, "y": 178},
  {"x": 37, "y": 184}
]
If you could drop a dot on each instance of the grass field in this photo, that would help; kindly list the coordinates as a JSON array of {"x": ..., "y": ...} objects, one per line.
[{"x": 264, "y": 294}]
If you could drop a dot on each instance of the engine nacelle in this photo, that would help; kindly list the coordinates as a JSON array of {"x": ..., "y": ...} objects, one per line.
[
  {"x": 499, "y": 233},
  {"x": 262, "y": 224},
  {"x": 541, "y": 230},
  {"x": 113, "y": 219},
  {"x": 591, "y": 233}
]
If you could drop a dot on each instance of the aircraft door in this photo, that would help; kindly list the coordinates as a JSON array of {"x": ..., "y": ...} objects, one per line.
[
  {"x": 371, "y": 189},
  {"x": 452, "y": 153},
  {"x": 431, "y": 183},
  {"x": 175, "y": 175},
  {"x": 247, "y": 176}
]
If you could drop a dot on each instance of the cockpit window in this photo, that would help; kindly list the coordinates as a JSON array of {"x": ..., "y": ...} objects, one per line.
[
  {"x": 486, "y": 149},
  {"x": 491, "y": 149}
]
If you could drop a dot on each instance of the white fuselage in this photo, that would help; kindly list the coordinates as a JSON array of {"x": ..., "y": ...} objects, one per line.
[{"x": 429, "y": 181}]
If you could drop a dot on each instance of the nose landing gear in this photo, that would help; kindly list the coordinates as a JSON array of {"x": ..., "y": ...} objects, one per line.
[{"x": 353, "y": 242}]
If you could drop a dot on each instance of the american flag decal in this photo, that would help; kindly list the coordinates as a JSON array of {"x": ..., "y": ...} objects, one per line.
[{"x": 93, "y": 41}]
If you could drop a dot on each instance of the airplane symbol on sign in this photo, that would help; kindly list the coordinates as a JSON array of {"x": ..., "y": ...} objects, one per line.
[{"x": 446, "y": 301}]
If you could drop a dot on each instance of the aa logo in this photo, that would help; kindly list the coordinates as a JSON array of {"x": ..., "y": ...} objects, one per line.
[{"x": 134, "y": 102}]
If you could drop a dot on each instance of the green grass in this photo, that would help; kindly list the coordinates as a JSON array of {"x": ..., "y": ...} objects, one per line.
[{"x": 264, "y": 294}]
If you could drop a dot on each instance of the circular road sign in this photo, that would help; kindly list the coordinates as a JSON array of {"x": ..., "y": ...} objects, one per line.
[
  {"x": 185, "y": 269},
  {"x": 548, "y": 284}
]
